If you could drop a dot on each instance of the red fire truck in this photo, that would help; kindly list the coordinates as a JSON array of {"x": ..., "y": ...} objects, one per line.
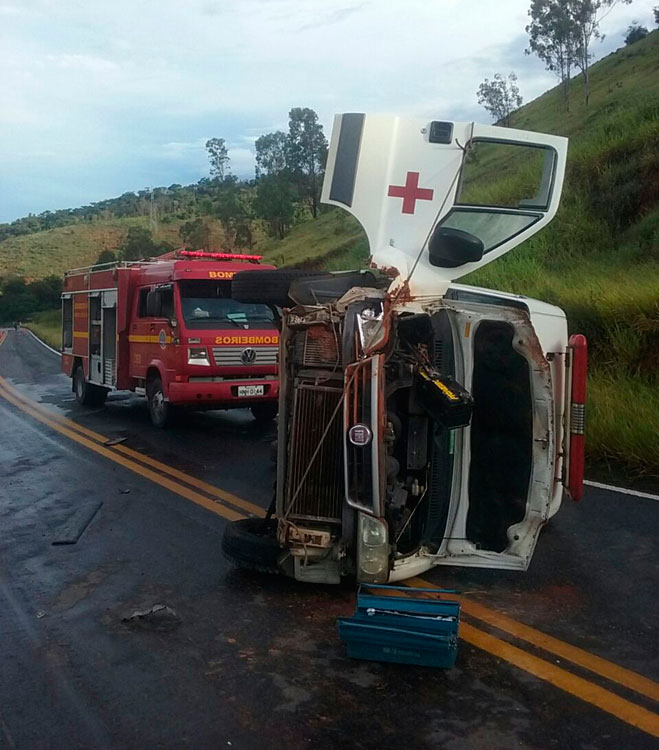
[{"x": 168, "y": 329}]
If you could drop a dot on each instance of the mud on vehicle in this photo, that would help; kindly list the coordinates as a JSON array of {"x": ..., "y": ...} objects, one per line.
[{"x": 421, "y": 422}]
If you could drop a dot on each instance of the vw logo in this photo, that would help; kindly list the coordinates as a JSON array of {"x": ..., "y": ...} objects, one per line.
[{"x": 248, "y": 357}]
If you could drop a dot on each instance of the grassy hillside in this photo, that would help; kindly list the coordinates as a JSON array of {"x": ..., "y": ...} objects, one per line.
[
  {"x": 33, "y": 256},
  {"x": 599, "y": 259}
]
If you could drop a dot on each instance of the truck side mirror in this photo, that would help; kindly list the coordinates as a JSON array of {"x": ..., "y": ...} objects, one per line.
[
  {"x": 450, "y": 247},
  {"x": 153, "y": 304}
]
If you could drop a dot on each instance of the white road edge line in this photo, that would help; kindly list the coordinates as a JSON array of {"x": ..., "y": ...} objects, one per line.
[
  {"x": 622, "y": 490},
  {"x": 43, "y": 343}
]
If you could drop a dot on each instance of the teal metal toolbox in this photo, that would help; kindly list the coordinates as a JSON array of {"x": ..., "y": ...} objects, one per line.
[{"x": 402, "y": 628}]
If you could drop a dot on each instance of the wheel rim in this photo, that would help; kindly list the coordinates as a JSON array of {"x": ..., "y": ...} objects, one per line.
[{"x": 158, "y": 404}]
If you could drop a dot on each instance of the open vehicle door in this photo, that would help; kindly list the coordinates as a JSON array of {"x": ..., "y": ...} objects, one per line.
[{"x": 423, "y": 191}]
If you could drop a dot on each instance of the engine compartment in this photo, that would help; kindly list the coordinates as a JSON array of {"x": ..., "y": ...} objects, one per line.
[{"x": 372, "y": 408}]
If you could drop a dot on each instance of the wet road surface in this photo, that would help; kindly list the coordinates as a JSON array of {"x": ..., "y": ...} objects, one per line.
[{"x": 564, "y": 655}]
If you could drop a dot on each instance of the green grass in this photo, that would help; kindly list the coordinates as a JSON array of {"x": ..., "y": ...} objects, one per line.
[
  {"x": 623, "y": 422},
  {"x": 47, "y": 325},
  {"x": 34, "y": 256},
  {"x": 320, "y": 243}
]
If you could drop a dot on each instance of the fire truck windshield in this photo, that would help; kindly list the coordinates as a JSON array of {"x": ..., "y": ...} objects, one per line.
[{"x": 208, "y": 304}]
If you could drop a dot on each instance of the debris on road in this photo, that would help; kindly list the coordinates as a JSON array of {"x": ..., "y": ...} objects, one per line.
[
  {"x": 158, "y": 617},
  {"x": 115, "y": 441}
]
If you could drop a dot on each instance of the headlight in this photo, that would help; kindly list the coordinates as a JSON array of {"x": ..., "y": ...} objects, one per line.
[
  {"x": 372, "y": 550},
  {"x": 197, "y": 355}
]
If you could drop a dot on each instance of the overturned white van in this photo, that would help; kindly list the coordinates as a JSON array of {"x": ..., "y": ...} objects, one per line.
[{"x": 421, "y": 422}]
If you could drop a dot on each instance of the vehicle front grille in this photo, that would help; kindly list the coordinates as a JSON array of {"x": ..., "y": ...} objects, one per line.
[
  {"x": 234, "y": 356},
  {"x": 318, "y": 347},
  {"x": 320, "y": 493}
]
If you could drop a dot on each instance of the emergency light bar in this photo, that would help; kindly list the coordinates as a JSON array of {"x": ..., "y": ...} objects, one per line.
[{"x": 219, "y": 256}]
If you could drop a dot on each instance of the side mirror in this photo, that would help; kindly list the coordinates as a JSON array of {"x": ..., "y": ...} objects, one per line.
[{"x": 450, "y": 247}]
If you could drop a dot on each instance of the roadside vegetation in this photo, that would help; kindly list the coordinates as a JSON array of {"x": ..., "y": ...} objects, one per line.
[{"x": 47, "y": 325}]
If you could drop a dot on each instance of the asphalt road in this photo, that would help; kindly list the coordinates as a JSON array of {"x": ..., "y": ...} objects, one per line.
[{"x": 565, "y": 655}]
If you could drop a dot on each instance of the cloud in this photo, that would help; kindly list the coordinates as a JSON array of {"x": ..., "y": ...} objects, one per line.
[
  {"x": 329, "y": 16},
  {"x": 103, "y": 97}
]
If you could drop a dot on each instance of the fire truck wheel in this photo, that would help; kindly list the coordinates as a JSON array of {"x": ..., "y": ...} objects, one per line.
[
  {"x": 264, "y": 412},
  {"x": 161, "y": 411},
  {"x": 87, "y": 394},
  {"x": 268, "y": 287},
  {"x": 251, "y": 543}
]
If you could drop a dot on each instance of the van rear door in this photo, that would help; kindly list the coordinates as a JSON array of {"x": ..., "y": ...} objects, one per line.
[{"x": 438, "y": 200}]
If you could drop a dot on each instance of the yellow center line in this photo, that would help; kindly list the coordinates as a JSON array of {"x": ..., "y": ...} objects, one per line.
[
  {"x": 604, "y": 699},
  {"x": 168, "y": 484},
  {"x": 210, "y": 489},
  {"x": 578, "y": 656},
  {"x": 613, "y": 704}
]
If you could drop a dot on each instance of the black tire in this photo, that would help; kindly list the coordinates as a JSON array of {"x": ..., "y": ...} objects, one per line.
[
  {"x": 251, "y": 543},
  {"x": 265, "y": 412},
  {"x": 87, "y": 394},
  {"x": 268, "y": 287},
  {"x": 321, "y": 289},
  {"x": 160, "y": 411}
]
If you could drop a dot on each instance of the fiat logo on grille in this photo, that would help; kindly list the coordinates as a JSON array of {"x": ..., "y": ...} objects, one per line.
[
  {"x": 360, "y": 434},
  {"x": 248, "y": 356}
]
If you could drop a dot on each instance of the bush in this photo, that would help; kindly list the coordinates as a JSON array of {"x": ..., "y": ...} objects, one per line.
[{"x": 635, "y": 33}]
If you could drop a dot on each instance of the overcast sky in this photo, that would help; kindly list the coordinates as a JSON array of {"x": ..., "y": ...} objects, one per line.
[{"x": 99, "y": 97}]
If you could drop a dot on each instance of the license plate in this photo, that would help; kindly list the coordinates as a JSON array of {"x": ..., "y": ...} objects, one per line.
[{"x": 251, "y": 390}]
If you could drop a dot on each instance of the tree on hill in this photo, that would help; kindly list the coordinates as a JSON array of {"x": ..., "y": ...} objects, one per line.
[
  {"x": 635, "y": 32},
  {"x": 271, "y": 152},
  {"x": 17, "y": 300},
  {"x": 306, "y": 154},
  {"x": 218, "y": 156},
  {"x": 105, "y": 256},
  {"x": 500, "y": 97},
  {"x": 233, "y": 212},
  {"x": 196, "y": 234},
  {"x": 137, "y": 244},
  {"x": 655, "y": 10},
  {"x": 552, "y": 39},
  {"x": 275, "y": 203},
  {"x": 561, "y": 33},
  {"x": 47, "y": 292},
  {"x": 585, "y": 17}
]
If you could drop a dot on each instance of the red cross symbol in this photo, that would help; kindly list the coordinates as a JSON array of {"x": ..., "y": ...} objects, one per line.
[{"x": 410, "y": 192}]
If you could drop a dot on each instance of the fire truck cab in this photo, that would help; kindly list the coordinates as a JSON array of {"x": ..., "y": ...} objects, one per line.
[{"x": 169, "y": 329}]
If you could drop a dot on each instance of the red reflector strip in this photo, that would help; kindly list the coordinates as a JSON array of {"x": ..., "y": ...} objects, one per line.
[
  {"x": 218, "y": 256},
  {"x": 578, "y": 347}
]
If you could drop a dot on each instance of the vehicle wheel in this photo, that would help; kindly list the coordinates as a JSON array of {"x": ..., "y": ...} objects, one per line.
[
  {"x": 328, "y": 287},
  {"x": 268, "y": 287},
  {"x": 265, "y": 412},
  {"x": 159, "y": 409},
  {"x": 251, "y": 543},
  {"x": 87, "y": 394}
]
